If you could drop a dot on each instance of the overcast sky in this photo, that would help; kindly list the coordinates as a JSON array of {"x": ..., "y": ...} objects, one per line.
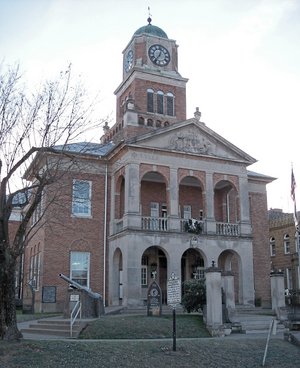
[{"x": 242, "y": 58}]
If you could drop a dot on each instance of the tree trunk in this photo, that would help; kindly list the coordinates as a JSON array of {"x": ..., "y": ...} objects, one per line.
[{"x": 8, "y": 319}]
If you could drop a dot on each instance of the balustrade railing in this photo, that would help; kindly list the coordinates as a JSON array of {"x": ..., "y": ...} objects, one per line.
[
  {"x": 154, "y": 223},
  {"x": 227, "y": 229}
]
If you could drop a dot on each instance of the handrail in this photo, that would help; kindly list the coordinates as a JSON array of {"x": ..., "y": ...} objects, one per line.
[{"x": 74, "y": 317}]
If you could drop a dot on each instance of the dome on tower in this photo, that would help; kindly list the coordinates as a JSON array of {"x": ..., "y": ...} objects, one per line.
[{"x": 151, "y": 30}]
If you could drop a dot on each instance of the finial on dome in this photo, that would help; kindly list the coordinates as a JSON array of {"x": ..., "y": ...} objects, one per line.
[{"x": 149, "y": 20}]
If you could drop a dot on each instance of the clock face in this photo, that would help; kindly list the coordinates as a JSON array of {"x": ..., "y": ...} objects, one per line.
[
  {"x": 129, "y": 60},
  {"x": 159, "y": 55}
]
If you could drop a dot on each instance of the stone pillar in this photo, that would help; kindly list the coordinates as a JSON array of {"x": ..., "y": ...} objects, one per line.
[
  {"x": 173, "y": 222},
  {"x": 228, "y": 287},
  {"x": 210, "y": 216},
  {"x": 277, "y": 291},
  {"x": 132, "y": 189},
  {"x": 214, "y": 320}
]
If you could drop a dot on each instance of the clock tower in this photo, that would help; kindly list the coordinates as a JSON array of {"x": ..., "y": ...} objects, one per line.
[{"x": 152, "y": 93}]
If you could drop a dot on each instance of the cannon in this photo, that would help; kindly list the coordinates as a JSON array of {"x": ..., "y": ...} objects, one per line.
[{"x": 92, "y": 303}]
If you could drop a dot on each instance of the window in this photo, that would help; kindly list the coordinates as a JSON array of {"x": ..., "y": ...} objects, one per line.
[
  {"x": 160, "y": 102},
  {"x": 80, "y": 268},
  {"x": 37, "y": 214},
  {"x": 187, "y": 212},
  {"x": 286, "y": 243},
  {"x": 150, "y": 100},
  {"x": 144, "y": 271},
  {"x": 170, "y": 104},
  {"x": 272, "y": 247},
  {"x": 34, "y": 270},
  {"x": 81, "y": 201},
  {"x": 297, "y": 247},
  {"x": 288, "y": 278}
]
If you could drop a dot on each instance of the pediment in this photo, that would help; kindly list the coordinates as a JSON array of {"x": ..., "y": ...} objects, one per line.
[{"x": 192, "y": 136}]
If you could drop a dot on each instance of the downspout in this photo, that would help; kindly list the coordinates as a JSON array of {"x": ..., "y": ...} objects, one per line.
[{"x": 104, "y": 235}]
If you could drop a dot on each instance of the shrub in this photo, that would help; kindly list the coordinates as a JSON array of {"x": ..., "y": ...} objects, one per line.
[{"x": 194, "y": 295}]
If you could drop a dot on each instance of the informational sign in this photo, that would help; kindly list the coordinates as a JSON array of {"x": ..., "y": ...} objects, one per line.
[
  {"x": 173, "y": 291},
  {"x": 49, "y": 294}
]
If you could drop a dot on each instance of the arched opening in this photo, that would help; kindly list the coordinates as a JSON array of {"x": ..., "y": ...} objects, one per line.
[
  {"x": 154, "y": 266},
  {"x": 117, "y": 278},
  {"x": 154, "y": 202},
  {"x": 191, "y": 203},
  {"x": 226, "y": 202},
  {"x": 120, "y": 197},
  {"x": 230, "y": 263},
  {"x": 192, "y": 265}
]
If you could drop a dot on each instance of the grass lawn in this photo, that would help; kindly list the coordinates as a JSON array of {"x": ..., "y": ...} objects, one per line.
[
  {"x": 208, "y": 353},
  {"x": 143, "y": 327}
]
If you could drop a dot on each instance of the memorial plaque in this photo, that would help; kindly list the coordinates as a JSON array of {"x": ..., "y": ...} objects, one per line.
[
  {"x": 154, "y": 300},
  {"x": 49, "y": 294},
  {"x": 173, "y": 291}
]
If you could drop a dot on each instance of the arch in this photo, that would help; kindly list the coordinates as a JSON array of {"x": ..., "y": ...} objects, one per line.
[
  {"x": 149, "y": 122},
  {"x": 150, "y": 100},
  {"x": 141, "y": 120},
  {"x": 158, "y": 124},
  {"x": 154, "y": 201},
  {"x": 286, "y": 243},
  {"x": 191, "y": 199},
  {"x": 166, "y": 123},
  {"x": 155, "y": 269},
  {"x": 193, "y": 263},
  {"x": 120, "y": 197},
  {"x": 226, "y": 205},
  {"x": 229, "y": 262},
  {"x": 117, "y": 282}
]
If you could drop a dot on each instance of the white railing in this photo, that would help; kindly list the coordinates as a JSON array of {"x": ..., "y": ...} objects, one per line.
[
  {"x": 227, "y": 229},
  {"x": 155, "y": 223},
  {"x": 74, "y": 314}
]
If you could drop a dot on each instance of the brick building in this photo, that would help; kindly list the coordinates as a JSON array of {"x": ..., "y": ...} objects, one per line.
[
  {"x": 283, "y": 247},
  {"x": 160, "y": 194}
]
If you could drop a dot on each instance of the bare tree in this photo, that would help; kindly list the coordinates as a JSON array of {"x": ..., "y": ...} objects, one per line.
[{"x": 34, "y": 128}]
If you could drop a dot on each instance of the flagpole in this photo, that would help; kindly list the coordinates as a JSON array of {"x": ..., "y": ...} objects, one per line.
[{"x": 293, "y": 195}]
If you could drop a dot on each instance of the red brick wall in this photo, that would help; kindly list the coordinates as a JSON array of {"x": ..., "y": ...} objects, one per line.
[{"x": 261, "y": 253}]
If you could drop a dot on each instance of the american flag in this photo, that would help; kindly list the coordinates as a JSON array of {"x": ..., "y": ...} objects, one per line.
[{"x": 293, "y": 188}]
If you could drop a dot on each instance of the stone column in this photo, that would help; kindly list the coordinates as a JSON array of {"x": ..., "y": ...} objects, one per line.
[
  {"x": 244, "y": 206},
  {"x": 210, "y": 216},
  {"x": 277, "y": 291},
  {"x": 214, "y": 320},
  {"x": 173, "y": 221}
]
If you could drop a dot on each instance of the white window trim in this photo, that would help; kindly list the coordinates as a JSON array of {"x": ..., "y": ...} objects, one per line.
[
  {"x": 144, "y": 269},
  {"x": 88, "y": 268},
  {"x": 286, "y": 241},
  {"x": 83, "y": 215}
]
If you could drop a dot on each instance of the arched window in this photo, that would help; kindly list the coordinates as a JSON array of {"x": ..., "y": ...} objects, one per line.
[
  {"x": 160, "y": 102},
  {"x": 297, "y": 244},
  {"x": 141, "y": 120},
  {"x": 272, "y": 247},
  {"x": 150, "y": 122},
  {"x": 166, "y": 123},
  {"x": 150, "y": 100},
  {"x": 158, "y": 123},
  {"x": 286, "y": 243},
  {"x": 170, "y": 104}
]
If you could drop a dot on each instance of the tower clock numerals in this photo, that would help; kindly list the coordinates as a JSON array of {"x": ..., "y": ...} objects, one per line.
[
  {"x": 159, "y": 55},
  {"x": 128, "y": 61}
]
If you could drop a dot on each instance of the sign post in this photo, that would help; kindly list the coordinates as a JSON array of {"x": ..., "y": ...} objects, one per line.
[{"x": 173, "y": 299}]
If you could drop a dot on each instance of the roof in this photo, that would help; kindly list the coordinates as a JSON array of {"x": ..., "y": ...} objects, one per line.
[
  {"x": 88, "y": 148},
  {"x": 151, "y": 30}
]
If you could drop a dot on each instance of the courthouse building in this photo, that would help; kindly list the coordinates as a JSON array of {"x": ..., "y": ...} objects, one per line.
[{"x": 159, "y": 194}]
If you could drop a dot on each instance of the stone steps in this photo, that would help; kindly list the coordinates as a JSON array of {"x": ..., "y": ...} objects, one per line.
[{"x": 60, "y": 328}]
